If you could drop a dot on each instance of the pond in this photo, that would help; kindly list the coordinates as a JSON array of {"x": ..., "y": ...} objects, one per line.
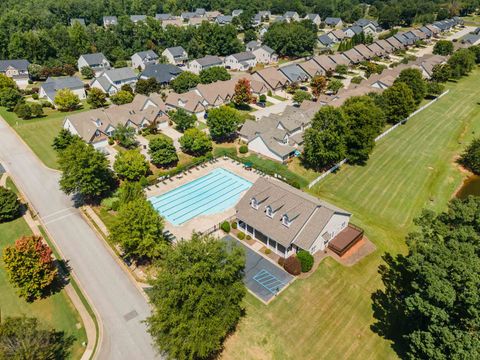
[{"x": 471, "y": 186}]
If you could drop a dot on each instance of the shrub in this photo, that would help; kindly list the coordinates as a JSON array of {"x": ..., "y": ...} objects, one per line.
[
  {"x": 292, "y": 265},
  {"x": 241, "y": 235},
  {"x": 35, "y": 96},
  {"x": 281, "y": 261},
  {"x": 111, "y": 203},
  {"x": 356, "y": 80},
  {"x": 234, "y": 225},
  {"x": 225, "y": 226},
  {"x": 267, "y": 251},
  {"x": 9, "y": 205},
  {"x": 306, "y": 260},
  {"x": 269, "y": 93},
  {"x": 262, "y": 98},
  {"x": 243, "y": 149},
  {"x": 249, "y": 237}
]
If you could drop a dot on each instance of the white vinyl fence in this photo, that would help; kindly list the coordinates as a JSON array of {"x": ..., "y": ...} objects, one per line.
[{"x": 336, "y": 166}]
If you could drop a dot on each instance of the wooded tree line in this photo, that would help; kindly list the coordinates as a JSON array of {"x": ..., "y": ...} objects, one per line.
[{"x": 40, "y": 31}]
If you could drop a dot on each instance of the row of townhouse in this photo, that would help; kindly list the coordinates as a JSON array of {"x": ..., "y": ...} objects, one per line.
[
  {"x": 206, "y": 96},
  {"x": 280, "y": 136},
  {"x": 96, "y": 126}
]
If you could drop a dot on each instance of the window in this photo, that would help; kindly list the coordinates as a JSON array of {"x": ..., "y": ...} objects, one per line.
[
  {"x": 285, "y": 220},
  {"x": 269, "y": 211},
  {"x": 254, "y": 203}
]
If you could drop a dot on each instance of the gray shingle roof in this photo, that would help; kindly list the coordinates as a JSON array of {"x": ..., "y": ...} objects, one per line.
[
  {"x": 294, "y": 73},
  {"x": 94, "y": 59},
  {"x": 136, "y": 18},
  {"x": 209, "y": 60},
  {"x": 163, "y": 73},
  {"x": 19, "y": 64},
  {"x": 332, "y": 20},
  {"x": 163, "y": 17},
  {"x": 243, "y": 56},
  {"x": 148, "y": 54},
  {"x": 110, "y": 20},
  {"x": 176, "y": 51},
  {"x": 52, "y": 85},
  {"x": 120, "y": 74},
  {"x": 325, "y": 40}
]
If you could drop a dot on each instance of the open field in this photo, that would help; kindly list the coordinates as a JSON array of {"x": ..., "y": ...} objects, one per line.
[
  {"x": 328, "y": 315},
  {"x": 56, "y": 311},
  {"x": 39, "y": 133}
]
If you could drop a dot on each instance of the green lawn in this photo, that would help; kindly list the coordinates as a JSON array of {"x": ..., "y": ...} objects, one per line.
[
  {"x": 329, "y": 315},
  {"x": 56, "y": 311},
  {"x": 39, "y": 133}
]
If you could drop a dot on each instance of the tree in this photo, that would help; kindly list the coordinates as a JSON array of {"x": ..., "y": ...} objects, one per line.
[
  {"x": 443, "y": 47},
  {"x": 138, "y": 229},
  {"x": 162, "y": 151},
  {"x": 243, "y": 92},
  {"x": 398, "y": 102},
  {"x": 199, "y": 286},
  {"x": 430, "y": 299},
  {"x": 215, "y": 73},
  {"x": 441, "y": 73},
  {"x": 250, "y": 35},
  {"x": 130, "y": 165},
  {"x": 183, "y": 120},
  {"x": 96, "y": 98},
  {"x": 470, "y": 159},
  {"x": 223, "y": 122},
  {"x": 26, "y": 338},
  {"x": 300, "y": 96},
  {"x": 318, "y": 85},
  {"x": 9, "y": 97},
  {"x": 341, "y": 69},
  {"x": 9, "y": 205},
  {"x": 87, "y": 72},
  {"x": 365, "y": 121},
  {"x": 461, "y": 62},
  {"x": 291, "y": 39},
  {"x": 85, "y": 171},
  {"x": 434, "y": 88},
  {"x": 325, "y": 141},
  {"x": 413, "y": 78},
  {"x": 129, "y": 191},
  {"x": 125, "y": 136},
  {"x": 195, "y": 142},
  {"x": 122, "y": 97},
  {"x": 184, "y": 82},
  {"x": 30, "y": 267},
  {"x": 334, "y": 85},
  {"x": 7, "y": 82},
  {"x": 23, "y": 111},
  {"x": 146, "y": 87},
  {"x": 66, "y": 100},
  {"x": 64, "y": 139},
  {"x": 36, "y": 109}
]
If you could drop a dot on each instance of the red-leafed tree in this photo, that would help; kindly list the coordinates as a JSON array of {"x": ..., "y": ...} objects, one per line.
[
  {"x": 30, "y": 266},
  {"x": 318, "y": 85},
  {"x": 243, "y": 92}
]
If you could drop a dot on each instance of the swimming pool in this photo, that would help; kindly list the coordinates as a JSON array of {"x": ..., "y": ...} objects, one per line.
[{"x": 215, "y": 192}]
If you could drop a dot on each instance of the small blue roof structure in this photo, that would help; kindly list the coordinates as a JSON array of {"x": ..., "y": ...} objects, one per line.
[
  {"x": 294, "y": 73},
  {"x": 325, "y": 40}
]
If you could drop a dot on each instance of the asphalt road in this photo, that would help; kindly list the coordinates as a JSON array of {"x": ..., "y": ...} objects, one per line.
[{"x": 118, "y": 302}]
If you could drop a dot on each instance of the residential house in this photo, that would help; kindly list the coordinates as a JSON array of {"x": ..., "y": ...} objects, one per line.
[
  {"x": 237, "y": 12},
  {"x": 178, "y": 22},
  {"x": 354, "y": 56},
  {"x": 290, "y": 16},
  {"x": 334, "y": 22},
  {"x": 426, "y": 64},
  {"x": 191, "y": 102},
  {"x": 163, "y": 73},
  {"x": 79, "y": 21},
  {"x": 377, "y": 50},
  {"x": 186, "y": 16},
  {"x": 48, "y": 90},
  {"x": 311, "y": 68},
  {"x": 287, "y": 220},
  {"x": 470, "y": 39},
  {"x": 252, "y": 45},
  {"x": 17, "y": 70},
  {"x": 224, "y": 19},
  {"x": 294, "y": 73},
  {"x": 163, "y": 17},
  {"x": 353, "y": 30},
  {"x": 325, "y": 63},
  {"x": 385, "y": 45},
  {"x": 336, "y": 35},
  {"x": 339, "y": 59},
  {"x": 274, "y": 79},
  {"x": 206, "y": 62},
  {"x": 397, "y": 45},
  {"x": 201, "y": 12},
  {"x": 364, "y": 51},
  {"x": 403, "y": 39},
  {"x": 138, "y": 18},
  {"x": 265, "y": 55},
  {"x": 434, "y": 30},
  {"x": 256, "y": 20},
  {"x": 96, "y": 126},
  {"x": 212, "y": 15},
  {"x": 369, "y": 27},
  {"x": 143, "y": 58},
  {"x": 242, "y": 61},
  {"x": 97, "y": 62},
  {"x": 175, "y": 55},
  {"x": 111, "y": 81},
  {"x": 196, "y": 21},
  {"x": 110, "y": 21},
  {"x": 315, "y": 18},
  {"x": 325, "y": 41}
]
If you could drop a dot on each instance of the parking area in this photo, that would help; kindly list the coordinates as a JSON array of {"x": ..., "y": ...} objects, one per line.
[{"x": 263, "y": 278}]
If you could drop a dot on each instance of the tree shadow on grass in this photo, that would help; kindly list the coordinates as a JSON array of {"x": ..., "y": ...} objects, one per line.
[{"x": 61, "y": 280}]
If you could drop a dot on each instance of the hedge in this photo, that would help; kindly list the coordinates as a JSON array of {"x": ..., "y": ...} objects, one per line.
[
  {"x": 306, "y": 260},
  {"x": 292, "y": 265},
  {"x": 225, "y": 226},
  {"x": 241, "y": 235},
  {"x": 243, "y": 149}
]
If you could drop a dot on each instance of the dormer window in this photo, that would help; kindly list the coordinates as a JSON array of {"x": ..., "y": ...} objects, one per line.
[
  {"x": 254, "y": 203},
  {"x": 286, "y": 221},
  {"x": 269, "y": 211}
]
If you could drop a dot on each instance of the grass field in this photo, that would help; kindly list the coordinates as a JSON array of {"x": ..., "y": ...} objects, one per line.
[
  {"x": 39, "y": 133},
  {"x": 328, "y": 315},
  {"x": 55, "y": 311}
]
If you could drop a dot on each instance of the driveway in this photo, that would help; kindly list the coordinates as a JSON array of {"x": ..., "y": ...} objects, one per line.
[
  {"x": 263, "y": 278},
  {"x": 119, "y": 304},
  {"x": 277, "y": 108},
  {"x": 428, "y": 49},
  {"x": 174, "y": 135}
]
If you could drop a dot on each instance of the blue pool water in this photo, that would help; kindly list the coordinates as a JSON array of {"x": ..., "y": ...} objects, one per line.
[{"x": 215, "y": 192}]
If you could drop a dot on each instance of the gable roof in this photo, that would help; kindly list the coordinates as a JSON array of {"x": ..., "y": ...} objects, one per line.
[
  {"x": 376, "y": 49},
  {"x": 209, "y": 60},
  {"x": 339, "y": 59},
  {"x": 294, "y": 73},
  {"x": 272, "y": 77},
  {"x": 110, "y": 20},
  {"x": 19, "y": 64},
  {"x": 243, "y": 56},
  {"x": 137, "y": 18},
  {"x": 384, "y": 44},
  {"x": 190, "y": 101},
  {"x": 364, "y": 51},
  {"x": 325, "y": 62},
  {"x": 148, "y": 54},
  {"x": 53, "y": 84},
  {"x": 162, "y": 17},
  {"x": 120, "y": 74},
  {"x": 253, "y": 44},
  {"x": 332, "y": 20},
  {"x": 325, "y": 40},
  {"x": 311, "y": 68},
  {"x": 163, "y": 73},
  {"x": 353, "y": 55},
  {"x": 176, "y": 51},
  {"x": 355, "y": 29},
  {"x": 94, "y": 59}
]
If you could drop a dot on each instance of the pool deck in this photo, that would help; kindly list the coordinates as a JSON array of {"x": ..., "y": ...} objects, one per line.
[{"x": 204, "y": 222}]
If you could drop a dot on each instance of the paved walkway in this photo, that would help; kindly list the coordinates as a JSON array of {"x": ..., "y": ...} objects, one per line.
[
  {"x": 173, "y": 134},
  {"x": 277, "y": 108},
  {"x": 119, "y": 304}
]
